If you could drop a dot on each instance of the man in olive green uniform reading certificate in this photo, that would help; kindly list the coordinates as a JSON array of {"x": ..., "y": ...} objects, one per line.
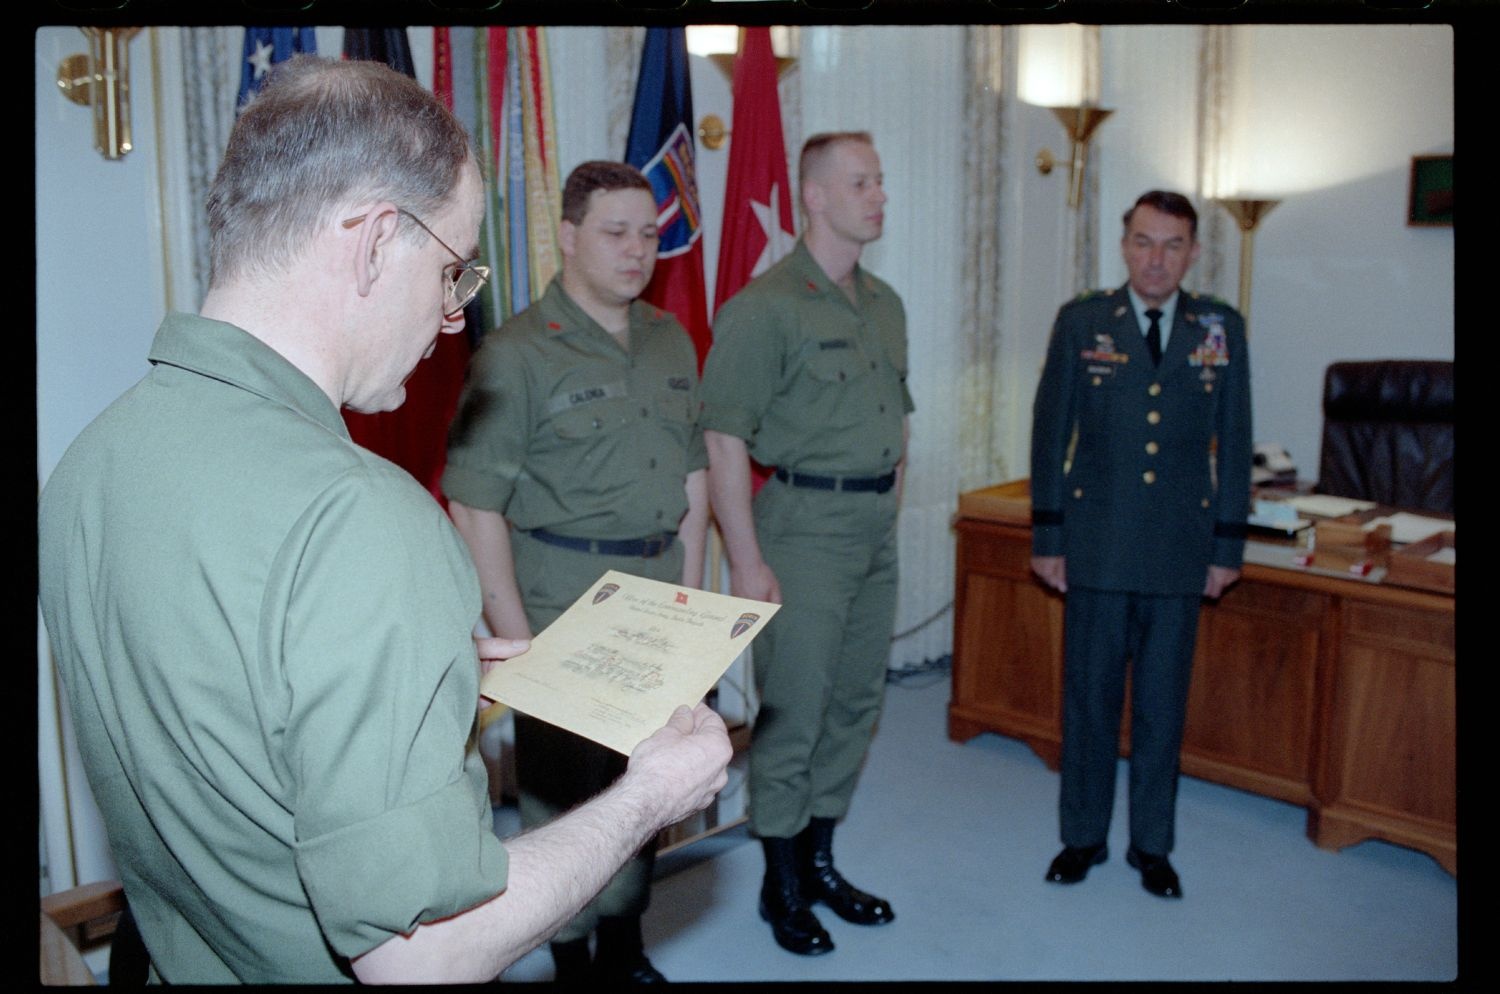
[
  {"x": 265, "y": 630},
  {"x": 576, "y": 450},
  {"x": 808, "y": 374}
]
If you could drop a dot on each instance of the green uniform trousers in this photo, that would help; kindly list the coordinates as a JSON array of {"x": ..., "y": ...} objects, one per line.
[
  {"x": 820, "y": 665},
  {"x": 1103, "y": 629},
  {"x": 555, "y": 769}
]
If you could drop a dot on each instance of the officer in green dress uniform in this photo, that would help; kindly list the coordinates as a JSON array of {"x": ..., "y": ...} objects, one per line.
[
  {"x": 576, "y": 450},
  {"x": 807, "y": 374},
  {"x": 1140, "y": 490}
]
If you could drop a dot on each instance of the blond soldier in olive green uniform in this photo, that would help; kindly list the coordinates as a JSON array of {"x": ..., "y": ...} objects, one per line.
[
  {"x": 807, "y": 374},
  {"x": 576, "y": 450}
]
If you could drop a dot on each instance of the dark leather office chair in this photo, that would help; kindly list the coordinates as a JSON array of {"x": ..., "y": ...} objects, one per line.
[{"x": 1388, "y": 433}]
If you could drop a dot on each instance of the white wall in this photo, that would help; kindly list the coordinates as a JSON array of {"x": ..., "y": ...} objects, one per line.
[
  {"x": 1337, "y": 113},
  {"x": 1325, "y": 119},
  {"x": 100, "y": 295}
]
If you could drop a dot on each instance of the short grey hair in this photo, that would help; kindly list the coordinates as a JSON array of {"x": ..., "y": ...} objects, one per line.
[{"x": 324, "y": 134}]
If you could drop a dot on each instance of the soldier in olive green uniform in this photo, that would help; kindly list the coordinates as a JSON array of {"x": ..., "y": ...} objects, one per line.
[
  {"x": 1140, "y": 489},
  {"x": 807, "y": 374},
  {"x": 576, "y": 450},
  {"x": 266, "y": 632}
]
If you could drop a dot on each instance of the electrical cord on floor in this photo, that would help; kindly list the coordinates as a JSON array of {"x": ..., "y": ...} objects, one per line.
[
  {"x": 924, "y": 623},
  {"x": 912, "y": 676}
]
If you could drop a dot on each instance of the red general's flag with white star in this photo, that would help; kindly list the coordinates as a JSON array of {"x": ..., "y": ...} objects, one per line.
[{"x": 759, "y": 226}]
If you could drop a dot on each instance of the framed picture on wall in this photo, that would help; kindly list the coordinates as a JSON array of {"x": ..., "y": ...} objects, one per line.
[{"x": 1430, "y": 198}]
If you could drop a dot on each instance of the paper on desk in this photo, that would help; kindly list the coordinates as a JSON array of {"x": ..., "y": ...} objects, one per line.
[
  {"x": 1327, "y": 506},
  {"x": 628, "y": 652},
  {"x": 1411, "y": 527}
]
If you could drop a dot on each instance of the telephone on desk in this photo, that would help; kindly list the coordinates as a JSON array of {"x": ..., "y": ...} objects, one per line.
[{"x": 1272, "y": 464}]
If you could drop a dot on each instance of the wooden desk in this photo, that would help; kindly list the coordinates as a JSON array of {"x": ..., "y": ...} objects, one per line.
[{"x": 1335, "y": 694}]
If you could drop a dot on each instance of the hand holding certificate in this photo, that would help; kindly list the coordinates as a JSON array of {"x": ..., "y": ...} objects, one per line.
[{"x": 628, "y": 652}]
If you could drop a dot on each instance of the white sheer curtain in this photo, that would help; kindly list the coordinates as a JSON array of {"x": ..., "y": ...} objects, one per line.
[
  {"x": 210, "y": 86},
  {"x": 987, "y": 124},
  {"x": 184, "y": 82},
  {"x": 1215, "y": 228},
  {"x": 900, "y": 84}
]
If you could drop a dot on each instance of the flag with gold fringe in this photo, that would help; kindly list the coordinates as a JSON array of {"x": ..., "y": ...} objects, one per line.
[{"x": 498, "y": 83}]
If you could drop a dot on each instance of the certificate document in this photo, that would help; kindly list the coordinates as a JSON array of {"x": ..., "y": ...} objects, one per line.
[{"x": 630, "y": 651}]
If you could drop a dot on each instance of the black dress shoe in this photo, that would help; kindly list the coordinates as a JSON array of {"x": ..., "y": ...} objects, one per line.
[
  {"x": 1072, "y": 864},
  {"x": 1157, "y": 875}
]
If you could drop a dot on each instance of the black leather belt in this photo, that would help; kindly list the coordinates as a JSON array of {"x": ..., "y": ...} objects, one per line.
[
  {"x": 879, "y": 484},
  {"x": 646, "y": 548}
]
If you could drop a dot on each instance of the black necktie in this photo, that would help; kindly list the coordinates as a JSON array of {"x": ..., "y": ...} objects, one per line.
[{"x": 1153, "y": 335}]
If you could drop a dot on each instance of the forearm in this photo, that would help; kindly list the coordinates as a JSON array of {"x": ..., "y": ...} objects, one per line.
[
  {"x": 693, "y": 530},
  {"x": 901, "y": 463},
  {"x": 554, "y": 871},
  {"x": 487, "y": 534},
  {"x": 729, "y": 493}
]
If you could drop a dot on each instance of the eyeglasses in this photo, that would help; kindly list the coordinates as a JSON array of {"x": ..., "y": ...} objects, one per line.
[{"x": 462, "y": 281}]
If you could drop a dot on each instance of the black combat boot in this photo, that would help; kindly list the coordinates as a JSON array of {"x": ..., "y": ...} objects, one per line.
[
  {"x": 570, "y": 960},
  {"x": 619, "y": 955},
  {"x": 793, "y": 924},
  {"x": 821, "y": 882}
]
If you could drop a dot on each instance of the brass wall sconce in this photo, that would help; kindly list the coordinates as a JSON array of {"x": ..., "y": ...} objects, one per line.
[
  {"x": 1080, "y": 123},
  {"x": 725, "y": 62},
  {"x": 712, "y": 131},
  {"x": 101, "y": 78},
  {"x": 1247, "y": 214}
]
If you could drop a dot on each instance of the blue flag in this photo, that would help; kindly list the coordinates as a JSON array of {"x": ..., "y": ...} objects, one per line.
[
  {"x": 388, "y": 45},
  {"x": 264, "y": 47},
  {"x": 662, "y": 146}
]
